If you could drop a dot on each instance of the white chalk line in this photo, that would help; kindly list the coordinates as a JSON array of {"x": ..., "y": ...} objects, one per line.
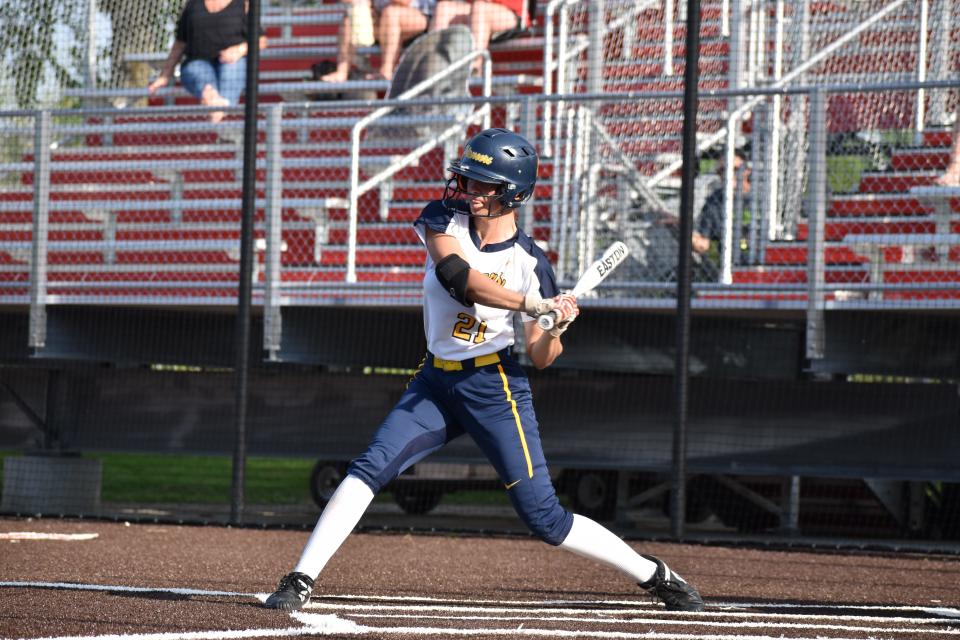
[
  {"x": 208, "y": 635},
  {"x": 558, "y": 633},
  {"x": 315, "y": 624},
  {"x": 659, "y": 621},
  {"x": 38, "y": 535},
  {"x": 944, "y": 615},
  {"x": 326, "y": 624},
  {"x": 947, "y": 612},
  {"x": 698, "y": 616}
]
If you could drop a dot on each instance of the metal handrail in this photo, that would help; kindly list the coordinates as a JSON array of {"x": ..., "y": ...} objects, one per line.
[
  {"x": 922, "y": 64},
  {"x": 548, "y": 67},
  {"x": 564, "y": 54},
  {"x": 781, "y": 83},
  {"x": 729, "y": 131},
  {"x": 357, "y": 189}
]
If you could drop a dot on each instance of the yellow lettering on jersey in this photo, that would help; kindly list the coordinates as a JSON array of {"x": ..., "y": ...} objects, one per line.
[
  {"x": 482, "y": 158},
  {"x": 462, "y": 330},
  {"x": 481, "y": 333},
  {"x": 498, "y": 278}
]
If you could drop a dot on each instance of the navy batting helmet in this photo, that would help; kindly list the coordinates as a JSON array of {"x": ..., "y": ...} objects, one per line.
[{"x": 501, "y": 157}]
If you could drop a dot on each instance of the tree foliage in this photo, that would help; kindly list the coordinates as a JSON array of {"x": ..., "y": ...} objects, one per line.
[
  {"x": 44, "y": 43},
  {"x": 137, "y": 27},
  {"x": 30, "y": 47}
]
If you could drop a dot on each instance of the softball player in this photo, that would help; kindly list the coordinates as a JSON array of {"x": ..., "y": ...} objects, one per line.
[{"x": 480, "y": 271}]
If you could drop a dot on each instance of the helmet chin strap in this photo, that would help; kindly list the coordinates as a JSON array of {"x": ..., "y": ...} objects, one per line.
[
  {"x": 502, "y": 213},
  {"x": 451, "y": 191}
]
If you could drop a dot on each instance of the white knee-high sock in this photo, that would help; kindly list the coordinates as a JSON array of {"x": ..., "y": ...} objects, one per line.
[
  {"x": 594, "y": 541},
  {"x": 338, "y": 519}
]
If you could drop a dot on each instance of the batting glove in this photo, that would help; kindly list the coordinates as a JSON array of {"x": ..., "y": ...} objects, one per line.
[
  {"x": 560, "y": 327},
  {"x": 535, "y": 306},
  {"x": 565, "y": 306}
]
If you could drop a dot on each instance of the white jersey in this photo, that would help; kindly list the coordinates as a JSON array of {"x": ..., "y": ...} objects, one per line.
[{"x": 457, "y": 332}]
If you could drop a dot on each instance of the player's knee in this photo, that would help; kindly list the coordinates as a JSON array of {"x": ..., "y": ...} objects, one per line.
[
  {"x": 551, "y": 526},
  {"x": 371, "y": 474}
]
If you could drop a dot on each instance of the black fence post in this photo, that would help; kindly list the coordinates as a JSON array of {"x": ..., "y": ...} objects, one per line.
[
  {"x": 242, "y": 355},
  {"x": 691, "y": 77}
]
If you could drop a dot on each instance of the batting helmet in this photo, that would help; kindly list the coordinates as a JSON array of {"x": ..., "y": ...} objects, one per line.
[{"x": 502, "y": 157}]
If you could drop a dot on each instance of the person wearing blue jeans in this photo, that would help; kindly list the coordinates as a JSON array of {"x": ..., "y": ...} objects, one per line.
[
  {"x": 226, "y": 78},
  {"x": 212, "y": 34}
]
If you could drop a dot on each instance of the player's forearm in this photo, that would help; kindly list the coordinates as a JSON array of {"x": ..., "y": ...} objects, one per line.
[
  {"x": 544, "y": 349},
  {"x": 483, "y": 290}
]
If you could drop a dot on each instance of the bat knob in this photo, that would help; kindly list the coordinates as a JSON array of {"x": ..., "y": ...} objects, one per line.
[{"x": 547, "y": 321}]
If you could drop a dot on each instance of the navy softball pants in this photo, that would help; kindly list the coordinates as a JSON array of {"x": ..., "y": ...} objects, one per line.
[{"x": 493, "y": 404}]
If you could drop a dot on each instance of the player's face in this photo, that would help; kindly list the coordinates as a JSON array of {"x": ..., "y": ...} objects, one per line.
[{"x": 480, "y": 195}]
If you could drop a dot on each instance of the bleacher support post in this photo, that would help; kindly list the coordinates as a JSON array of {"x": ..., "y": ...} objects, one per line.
[
  {"x": 923, "y": 20},
  {"x": 668, "y": 19},
  {"x": 273, "y": 211},
  {"x": 771, "y": 217},
  {"x": 940, "y": 62},
  {"x": 41, "y": 218},
  {"x": 794, "y": 134},
  {"x": 595, "y": 50},
  {"x": 816, "y": 214},
  {"x": 790, "y": 511},
  {"x": 763, "y": 175},
  {"x": 90, "y": 57},
  {"x": 528, "y": 130}
]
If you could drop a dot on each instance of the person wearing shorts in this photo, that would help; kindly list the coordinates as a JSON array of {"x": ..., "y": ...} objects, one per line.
[{"x": 212, "y": 35}]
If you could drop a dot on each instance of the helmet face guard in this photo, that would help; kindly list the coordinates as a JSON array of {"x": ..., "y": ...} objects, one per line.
[
  {"x": 499, "y": 157},
  {"x": 457, "y": 186}
]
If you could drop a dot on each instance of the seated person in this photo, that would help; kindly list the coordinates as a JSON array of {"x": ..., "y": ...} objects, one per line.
[
  {"x": 484, "y": 17},
  {"x": 708, "y": 231},
  {"x": 213, "y": 36},
  {"x": 392, "y": 23}
]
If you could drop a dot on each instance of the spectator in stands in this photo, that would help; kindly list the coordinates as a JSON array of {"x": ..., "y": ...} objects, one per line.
[
  {"x": 486, "y": 19},
  {"x": 708, "y": 231},
  {"x": 951, "y": 176},
  {"x": 392, "y": 23},
  {"x": 212, "y": 34}
]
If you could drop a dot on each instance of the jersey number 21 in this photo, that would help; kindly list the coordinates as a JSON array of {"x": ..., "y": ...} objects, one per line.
[{"x": 463, "y": 330}]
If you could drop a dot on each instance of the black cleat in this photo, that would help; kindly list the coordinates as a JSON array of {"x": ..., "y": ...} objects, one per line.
[
  {"x": 676, "y": 593},
  {"x": 292, "y": 593}
]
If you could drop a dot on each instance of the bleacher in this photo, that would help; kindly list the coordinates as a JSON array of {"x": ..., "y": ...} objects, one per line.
[
  {"x": 896, "y": 240},
  {"x": 146, "y": 207}
]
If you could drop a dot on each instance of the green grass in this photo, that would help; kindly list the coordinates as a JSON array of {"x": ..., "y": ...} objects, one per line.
[{"x": 144, "y": 478}]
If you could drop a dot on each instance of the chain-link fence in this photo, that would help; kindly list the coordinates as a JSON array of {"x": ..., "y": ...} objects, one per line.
[
  {"x": 823, "y": 342},
  {"x": 126, "y": 230}
]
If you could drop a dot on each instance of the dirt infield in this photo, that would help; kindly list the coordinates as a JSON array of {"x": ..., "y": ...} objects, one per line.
[{"x": 165, "y": 582}]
